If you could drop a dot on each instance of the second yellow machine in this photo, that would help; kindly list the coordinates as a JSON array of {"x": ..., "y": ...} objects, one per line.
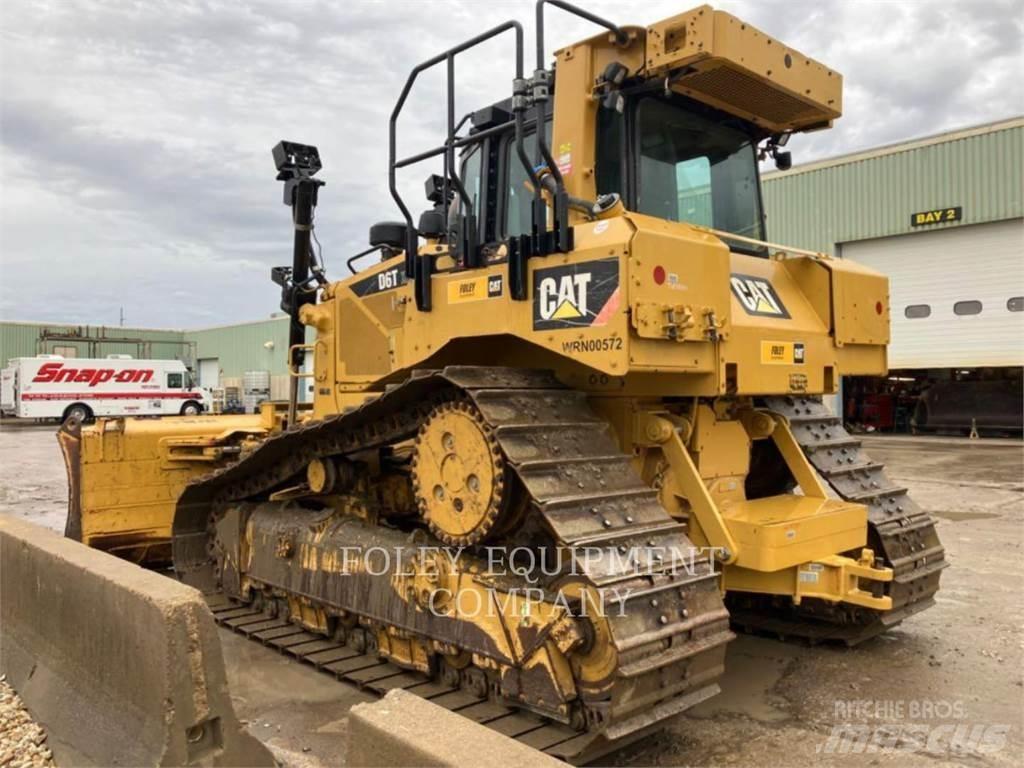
[{"x": 570, "y": 425}]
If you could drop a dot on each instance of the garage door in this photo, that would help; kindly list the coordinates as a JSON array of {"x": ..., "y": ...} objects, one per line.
[
  {"x": 957, "y": 294},
  {"x": 209, "y": 373}
]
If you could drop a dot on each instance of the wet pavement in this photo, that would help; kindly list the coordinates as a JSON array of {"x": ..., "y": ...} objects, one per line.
[
  {"x": 301, "y": 714},
  {"x": 945, "y": 687}
]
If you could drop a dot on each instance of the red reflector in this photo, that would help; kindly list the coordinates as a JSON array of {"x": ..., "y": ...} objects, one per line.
[
  {"x": 878, "y": 307},
  {"x": 659, "y": 275}
]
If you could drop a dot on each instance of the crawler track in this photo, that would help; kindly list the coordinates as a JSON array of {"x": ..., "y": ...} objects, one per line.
[
  {"x": 371, "y": 673},
  {"x": 582, "y": 491},
  {"x": 902, "y": 535}
]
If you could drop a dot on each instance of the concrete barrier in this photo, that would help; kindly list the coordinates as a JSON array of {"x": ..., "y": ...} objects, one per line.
[
  {"x": 404, "y": 730},
  {"x": 120, "y": 665}
]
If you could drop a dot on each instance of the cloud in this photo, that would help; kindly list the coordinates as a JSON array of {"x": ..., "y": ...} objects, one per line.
[{"x": 135, "y": 138}]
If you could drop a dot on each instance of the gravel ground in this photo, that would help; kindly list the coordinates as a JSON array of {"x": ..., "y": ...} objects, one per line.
[{"x": 22, "y": 741}]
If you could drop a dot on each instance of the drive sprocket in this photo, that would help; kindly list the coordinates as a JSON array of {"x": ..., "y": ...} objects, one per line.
[{"x": 459, "y": 475}]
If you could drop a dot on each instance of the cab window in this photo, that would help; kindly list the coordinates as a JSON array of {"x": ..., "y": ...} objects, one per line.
[
  {"x": 520, "y": 189},
  {"x": 693, "y": 168},
  {"x": 174, "y": 380},
  {"x": 470, "y": 175},
  {"x": 610, "y": 146}
]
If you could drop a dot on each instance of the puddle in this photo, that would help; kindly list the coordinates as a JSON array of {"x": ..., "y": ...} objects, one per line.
[
  {"x": 957, "y": 517},
  {"x": 265, "y": 679},
  {"x": 334, "y": 726},
  {"x": 753, "y": 667}
]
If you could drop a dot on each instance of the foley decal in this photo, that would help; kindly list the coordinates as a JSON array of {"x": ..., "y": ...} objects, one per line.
[
  {"x": 583, "y": 295},
  {"x": 758, "y": 297},
  {"x": 475, "y": 289},
  {"x": 782, "y": 353}
]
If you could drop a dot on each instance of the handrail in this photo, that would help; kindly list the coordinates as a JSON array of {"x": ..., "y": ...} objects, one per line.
[
  {"x": 465, "y": 141},
  {"x": 525, "y": 92},
  {"x": 353, "y": 259},
  {"x": 292, "y": 370},
  {"x": 414, "y": 266},
  {"x": 754, "y": 241}
]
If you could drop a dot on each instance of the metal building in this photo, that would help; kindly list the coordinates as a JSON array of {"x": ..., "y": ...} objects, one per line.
[
  {"x": 228, "y": 352},
  {"x": 942, "y": 216}
]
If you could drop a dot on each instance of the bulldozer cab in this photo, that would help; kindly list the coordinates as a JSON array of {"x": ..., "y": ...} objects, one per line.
[
  {"x": 661, "y": 154},
  {"x": 668, "y": 118},
  {"x": 605, "y": 208}
]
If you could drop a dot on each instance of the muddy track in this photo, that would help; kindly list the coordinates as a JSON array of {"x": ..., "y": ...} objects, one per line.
[
  {"x": 670, "y": 635},
  {"x": 371, "y": 673},
  {"x": 902, "y": 535}
]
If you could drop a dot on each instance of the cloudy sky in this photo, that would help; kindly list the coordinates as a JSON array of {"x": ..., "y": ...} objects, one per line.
[{"x": 135, "y": 136}]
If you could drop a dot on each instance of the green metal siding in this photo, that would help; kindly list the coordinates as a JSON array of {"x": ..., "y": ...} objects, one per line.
[
  {"x": 23, "y": 340},
  {"x": 241, "y": 348},
  {"x": 875, "y": 196}
]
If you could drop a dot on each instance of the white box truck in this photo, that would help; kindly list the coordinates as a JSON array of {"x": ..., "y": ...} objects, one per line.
[{"x": 54, "y": 387}]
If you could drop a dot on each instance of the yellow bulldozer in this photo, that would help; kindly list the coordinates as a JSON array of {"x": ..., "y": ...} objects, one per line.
[{"x": 567, "y": 431}]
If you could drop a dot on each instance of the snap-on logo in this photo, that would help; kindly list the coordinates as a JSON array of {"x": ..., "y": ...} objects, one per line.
[
  {"x": 575, "y": 295},
  {"x": 56, "y": 372},
  {"x": 758, "y": 297}
]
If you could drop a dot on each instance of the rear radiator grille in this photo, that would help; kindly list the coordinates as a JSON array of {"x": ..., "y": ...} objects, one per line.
[{"x": 750, "y": 95}]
